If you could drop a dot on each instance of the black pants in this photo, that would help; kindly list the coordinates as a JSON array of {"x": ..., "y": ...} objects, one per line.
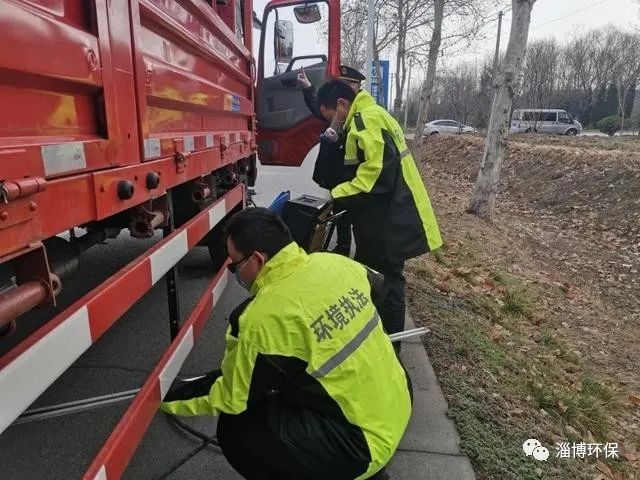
[
  {"x": 274, "y": 441},
  {"x": 393, "y": 310},
  {"x": 343, "y": 231},
  {"x": 370, "y": 251}
]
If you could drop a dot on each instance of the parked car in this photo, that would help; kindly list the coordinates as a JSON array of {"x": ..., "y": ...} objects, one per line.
[
  {"x": 549, "y": 121},
  {"x": 450, "y": 127}
]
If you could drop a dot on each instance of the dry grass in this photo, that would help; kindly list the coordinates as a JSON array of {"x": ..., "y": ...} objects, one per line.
[{"x": 526, "y": 345}]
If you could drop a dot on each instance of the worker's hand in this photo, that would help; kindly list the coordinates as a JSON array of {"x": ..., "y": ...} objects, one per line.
[
  {"x": 303, "y": 81},
  {"x": 189, "y": 408},
  {"x": 331, "y": 135}
]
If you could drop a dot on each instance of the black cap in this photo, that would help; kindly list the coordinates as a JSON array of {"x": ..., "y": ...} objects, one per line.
[{"x": 349, "y": 74}]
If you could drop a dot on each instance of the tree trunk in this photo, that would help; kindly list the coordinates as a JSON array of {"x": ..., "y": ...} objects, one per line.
[
  {"x": 418, "y": 128},
  {"x": 401, "y": 76},
  {"x": 484, "y": 193},
  {"x": 622, "y": 101},
  {"x": 400, "y": 59},
  {"x": 434, "y": 51}
]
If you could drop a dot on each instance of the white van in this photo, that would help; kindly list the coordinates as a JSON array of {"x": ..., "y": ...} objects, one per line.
[{"x": 550, "y": 121}]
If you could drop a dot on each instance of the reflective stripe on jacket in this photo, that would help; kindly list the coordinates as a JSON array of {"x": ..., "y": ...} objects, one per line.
[
  {"x": 312, "y": 336},
  {"x": 387, "y": 190}
]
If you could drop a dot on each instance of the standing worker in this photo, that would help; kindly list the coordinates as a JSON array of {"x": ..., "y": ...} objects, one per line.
[
  {"x": 329, "y": 169},
  {"x": 310, "y": 386},
  {"x": 391, "y": 213}
]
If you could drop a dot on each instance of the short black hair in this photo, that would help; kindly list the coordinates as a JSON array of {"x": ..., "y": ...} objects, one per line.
[
  {"x": 330, "y": 92},
  {"x": 257, "y": 230}
]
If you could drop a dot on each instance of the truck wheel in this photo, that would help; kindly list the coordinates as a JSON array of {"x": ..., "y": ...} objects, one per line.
[
  {"x": 572, "y": 132},
  {"x": 214, "y": 241}
]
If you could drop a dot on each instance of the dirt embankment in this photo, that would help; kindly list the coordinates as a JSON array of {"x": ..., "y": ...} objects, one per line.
[
  {"x": 583, "y": 194},
  {"x": 536, "y": 316}
]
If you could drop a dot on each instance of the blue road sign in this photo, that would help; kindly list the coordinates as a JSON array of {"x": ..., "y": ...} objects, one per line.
[{"x": 380, "y": 87}]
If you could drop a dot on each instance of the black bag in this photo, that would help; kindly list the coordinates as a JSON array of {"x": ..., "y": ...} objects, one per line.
[{"x": 329, "y": 168}]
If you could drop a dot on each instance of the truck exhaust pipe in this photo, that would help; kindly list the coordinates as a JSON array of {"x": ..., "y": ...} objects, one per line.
[
  {"x": 201, "y": 194},
  {"x": 21, "y": 299},
  {"x": 144, "y": 223}
]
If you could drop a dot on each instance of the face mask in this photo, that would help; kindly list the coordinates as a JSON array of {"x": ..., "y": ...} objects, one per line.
[
  {"x": 237, "y": 271},
  {"x": 336, "y": 125},
  {"x": 241, "y": 282}
]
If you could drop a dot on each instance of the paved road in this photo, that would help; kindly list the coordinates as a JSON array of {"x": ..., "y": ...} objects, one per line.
[
  {"x": 597, "y": 133},
  {"x": 63, "y": 447}
]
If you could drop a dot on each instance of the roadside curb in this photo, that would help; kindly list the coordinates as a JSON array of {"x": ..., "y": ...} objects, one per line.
[{"x": 430, "y": 448}]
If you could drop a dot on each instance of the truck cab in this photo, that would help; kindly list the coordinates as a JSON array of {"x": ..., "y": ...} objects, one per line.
[{"x": 294, "y": 36}]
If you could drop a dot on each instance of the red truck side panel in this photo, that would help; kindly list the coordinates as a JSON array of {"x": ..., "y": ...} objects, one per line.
[
  {"x": 188, "y": 80},
  {"x": 118, "y": 90},
  {"x": 66, "y": 88}
]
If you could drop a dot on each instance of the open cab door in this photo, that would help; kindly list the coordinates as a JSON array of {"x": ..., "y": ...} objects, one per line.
[{"x": 295, "y": 35}]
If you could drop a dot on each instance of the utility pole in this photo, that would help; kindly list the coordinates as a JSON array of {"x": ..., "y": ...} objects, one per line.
[
  {"x": 497, "y": 57},
  {"x": 406, "y": 102},
  {"x": 370, "y": 33}
]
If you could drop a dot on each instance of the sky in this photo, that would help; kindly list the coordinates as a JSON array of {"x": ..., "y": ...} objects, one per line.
[
  {"x": 560, "y": 18},
  {"x": 550, "y": 18}
]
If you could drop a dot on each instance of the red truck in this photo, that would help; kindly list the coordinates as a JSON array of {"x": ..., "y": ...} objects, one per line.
[{"x": 136, "y": 115}]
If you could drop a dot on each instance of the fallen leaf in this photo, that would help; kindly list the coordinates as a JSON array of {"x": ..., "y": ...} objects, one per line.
[
  {"x": 604, "y": 469},
  {"x": 497, "y": 332},
  {"x": 489, "y": 284},
  {"x": 572, "y": 431},
  {"x": 635, "y": 399},
  {"x": 630, "y": 452},
  {"x": 462, "y": 272}
]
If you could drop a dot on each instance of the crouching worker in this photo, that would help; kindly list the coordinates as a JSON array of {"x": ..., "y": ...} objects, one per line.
[{"x": 310, "y": 386}]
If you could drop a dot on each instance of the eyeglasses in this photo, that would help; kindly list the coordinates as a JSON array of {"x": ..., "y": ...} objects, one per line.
[{"x": 235, "y": 266}]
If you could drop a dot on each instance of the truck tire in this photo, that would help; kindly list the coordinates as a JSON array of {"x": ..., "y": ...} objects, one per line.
[{"x": 215, "y": 241}]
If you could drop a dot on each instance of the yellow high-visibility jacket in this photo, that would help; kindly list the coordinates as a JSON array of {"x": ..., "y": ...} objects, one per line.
[
  {"x": 387, "y": 199},
  {"x": 311, "y": 335}
]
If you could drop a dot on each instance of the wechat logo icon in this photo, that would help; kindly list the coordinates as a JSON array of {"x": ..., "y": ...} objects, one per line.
[{"x": 533, "y": 448}]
